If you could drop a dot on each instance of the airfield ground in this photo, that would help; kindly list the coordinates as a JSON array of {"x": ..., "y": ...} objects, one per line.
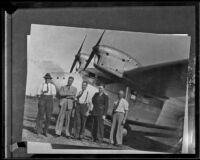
[
  {"x": 137, "y": 140},
  {"x": 29, "y": 133}
]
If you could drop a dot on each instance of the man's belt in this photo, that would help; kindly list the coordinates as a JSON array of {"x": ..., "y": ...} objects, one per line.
[
  {"x": 118, "y": 112},
  {"x": 81, "y": 103},
  {"x": 46, "y": 95}
]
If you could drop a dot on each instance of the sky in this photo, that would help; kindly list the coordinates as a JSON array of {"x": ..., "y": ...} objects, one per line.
[{"x": 52, "y": 48}]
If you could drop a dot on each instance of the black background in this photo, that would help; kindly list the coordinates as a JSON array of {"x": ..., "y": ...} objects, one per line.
[{"x": 137, "y": 17}]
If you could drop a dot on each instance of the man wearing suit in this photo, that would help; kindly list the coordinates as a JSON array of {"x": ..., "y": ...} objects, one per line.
[
  {"x": 100, "y": 107},
  {"x": 67, "y": 94},
  {"x": 46, "y": 94}
]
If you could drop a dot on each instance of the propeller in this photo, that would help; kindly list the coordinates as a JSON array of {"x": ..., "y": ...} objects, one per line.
[
  {"x": 77, "y": 56},
  {"x": 93, "y": 51}
]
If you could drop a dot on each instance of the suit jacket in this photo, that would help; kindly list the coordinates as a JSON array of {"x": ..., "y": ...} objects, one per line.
[
  {"x": 65, "y": 102},
  {"x": 100, "y": 104}
]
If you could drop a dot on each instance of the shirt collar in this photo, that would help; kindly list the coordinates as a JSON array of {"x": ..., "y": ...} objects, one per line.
[
  {"x": 68, "y": 86},
  {"x": 120, "y": 99},
  {"x": 85, "y": 91},
  {"x": 99, "y": 94}
]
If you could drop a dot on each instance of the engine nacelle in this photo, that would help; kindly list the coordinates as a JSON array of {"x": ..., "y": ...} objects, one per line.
[{"x": 114, "y": 61}]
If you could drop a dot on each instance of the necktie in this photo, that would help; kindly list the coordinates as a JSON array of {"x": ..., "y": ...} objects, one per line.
[
  {"x": 47, "y": 88},
  {"x": 80, "y": 95}
]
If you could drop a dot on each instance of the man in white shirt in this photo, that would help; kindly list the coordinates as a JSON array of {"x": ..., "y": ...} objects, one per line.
[
  {"x": 83, "y": 106},
  {"x": 119, "y": 114},
  {"x": 46, "y": 94}
]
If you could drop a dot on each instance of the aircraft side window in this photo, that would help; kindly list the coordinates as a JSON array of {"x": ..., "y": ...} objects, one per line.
[
  {"x": 57, "y": 77},
  {"x": 63, "y": 77}
]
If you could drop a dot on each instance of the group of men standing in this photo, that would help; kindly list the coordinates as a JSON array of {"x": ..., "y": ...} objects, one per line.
[{"x": 80, "y": 104}]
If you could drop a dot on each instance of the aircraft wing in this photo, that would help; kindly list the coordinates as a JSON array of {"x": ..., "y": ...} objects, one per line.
[
  {"x": 149, "y": 48},
  {"x": 146, "y": 68},
  {"x": 162, "y": 80}
]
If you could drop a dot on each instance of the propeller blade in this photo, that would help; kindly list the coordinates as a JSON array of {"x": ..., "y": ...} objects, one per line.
[
  {"x": 79, "y": 51},
  {"x": 93, "y": 52},
  {"x": 77, "y": 57},
  {"x": 73, "y": 65},
  {"x": 100, "y": 38},
  {"x": 89, "y": 59}
]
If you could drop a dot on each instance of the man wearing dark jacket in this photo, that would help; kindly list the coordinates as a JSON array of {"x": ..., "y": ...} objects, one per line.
[{"x": 100, "y": 107}]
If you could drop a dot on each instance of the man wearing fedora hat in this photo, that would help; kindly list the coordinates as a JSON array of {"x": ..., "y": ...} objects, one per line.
[{"x": 46, "y": 94}]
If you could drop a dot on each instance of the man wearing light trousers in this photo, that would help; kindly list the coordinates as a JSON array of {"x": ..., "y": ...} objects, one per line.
[
  {"x": 119, "y": 115},
  {"x": 67, "y": 94}
]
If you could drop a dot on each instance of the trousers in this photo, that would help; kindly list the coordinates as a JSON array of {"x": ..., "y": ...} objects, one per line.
[
  {"x": 116, "y": 133},
  {"x": 63, "y": 115},
  {"x": 98, "y": 128},
  {"x": 80, "y": 120},
  {"x": 45, "y": 107}
]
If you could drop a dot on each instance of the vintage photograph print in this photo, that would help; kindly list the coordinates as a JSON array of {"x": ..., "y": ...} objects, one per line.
[{"x": 108, "y": 91}]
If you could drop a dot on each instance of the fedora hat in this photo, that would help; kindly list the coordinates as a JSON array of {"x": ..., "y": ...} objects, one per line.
[{"x": 47, "y": 76}]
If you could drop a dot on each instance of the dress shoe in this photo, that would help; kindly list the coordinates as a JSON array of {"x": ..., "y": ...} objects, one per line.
[
  {"x": 75, "y": 137},
  {"x": 119, "y": 145},
  {"x": 69, "y": 137},
  {"x": 111, "y": 142},
  {"x": 67, "y": 134},
  {"x": 39, "y": 134},
  {"x": 98, "y": 141},
  {"x": 56, "y": 135},
  {"x": 45, "y": 134},
  {"x": 82, "y": 137}
]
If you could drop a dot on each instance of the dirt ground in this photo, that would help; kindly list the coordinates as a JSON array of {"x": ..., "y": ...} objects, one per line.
[
  {"x": 137, "y": 138},
  {"x": 29, "y": 134}
]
